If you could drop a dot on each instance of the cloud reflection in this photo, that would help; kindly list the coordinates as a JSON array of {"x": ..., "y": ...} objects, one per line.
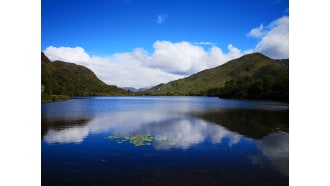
[
  {"x": 121, "y": 121},
  {"x": 179, "y": 131},
  {"x": 70, "y": 135},
  {"x": 184, "y": 132},
  {"x": 175, "y": 131},
  {"x": 275, "y": 147}
]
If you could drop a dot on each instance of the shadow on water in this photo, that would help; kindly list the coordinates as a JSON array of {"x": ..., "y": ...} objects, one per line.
[{"x": 251, "y": 123}]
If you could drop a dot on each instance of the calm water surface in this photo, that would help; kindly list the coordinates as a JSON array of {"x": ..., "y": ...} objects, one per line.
[{"x": 164, "y": 141}]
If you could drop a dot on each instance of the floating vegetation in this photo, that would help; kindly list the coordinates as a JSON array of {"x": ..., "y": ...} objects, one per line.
[
  {"x": 167, "y": 141},
  {"x": 137, "y": 139}
]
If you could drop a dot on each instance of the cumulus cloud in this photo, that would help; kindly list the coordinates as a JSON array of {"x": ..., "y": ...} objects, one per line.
[
  {"x": 138, "y": 68},
  {"x": 184, "y": 58},
  {"x": 274, "y": 38},
  {"x": 257, "y": 32},
  {"x": 75, "y": 55},
  {"x": 178, "y": 58}
]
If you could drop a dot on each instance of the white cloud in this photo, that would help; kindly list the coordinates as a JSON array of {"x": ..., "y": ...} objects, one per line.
[
  {"x": 257, "y": 32},
  {"x": 68, "y": 54},
  {"x": 161, "y": 18},
  {"x": 184, "y": 58},
  {"x": 169, "y": 61},
  {"x": 204, "y": 43},
  {"x": 274, "y": 38},
  {"x": 178, "y": 58}
]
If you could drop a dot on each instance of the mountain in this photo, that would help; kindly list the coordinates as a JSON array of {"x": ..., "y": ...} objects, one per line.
[
  {"x": 63, "y": 78},
  {"x": 132, "y": 89},
  {"x": 283, "y": 61},
  {"x": 253, "y": 76}
]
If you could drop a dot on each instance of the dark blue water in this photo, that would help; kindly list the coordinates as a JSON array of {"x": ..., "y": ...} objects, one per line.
[{"x": 190, "y": 141}]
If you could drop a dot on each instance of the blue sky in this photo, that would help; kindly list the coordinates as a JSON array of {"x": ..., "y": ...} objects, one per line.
[{"x": 162, "y": 39}]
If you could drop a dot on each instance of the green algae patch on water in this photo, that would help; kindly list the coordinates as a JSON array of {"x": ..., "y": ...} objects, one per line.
[
  {"x": 167, "y": 141},
  {"x": 137, "y": 139}
]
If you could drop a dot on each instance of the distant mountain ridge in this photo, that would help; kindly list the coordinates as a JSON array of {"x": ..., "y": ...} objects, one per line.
[
  {"x": 253, "y": 76},
  {"x": 64, "y": 78},
  {"x": 132, "y": 89}
]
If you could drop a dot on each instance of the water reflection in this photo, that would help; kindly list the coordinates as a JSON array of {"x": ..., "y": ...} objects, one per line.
[
  {"x": 203, "y": 140},
  {"x": 249, "y": 122},
  {"x": 185, "y": 132},
  {"x": 175, "y": 131},
  {"x": 59, "y": 124},
  {"x": 71, "y": 135},
  {"x": 184, "y": 129},
  {"x": 180, "y": 131},
  {"x": 275, "y": 147}
]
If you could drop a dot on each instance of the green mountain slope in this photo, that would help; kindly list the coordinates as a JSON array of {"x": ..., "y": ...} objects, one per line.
[
  {"x": 253, "y": 76},
  {"x": 63, "y": 78}
]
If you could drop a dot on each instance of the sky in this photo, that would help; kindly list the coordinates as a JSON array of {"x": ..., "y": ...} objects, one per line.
[{"x": 142, "y": 43}]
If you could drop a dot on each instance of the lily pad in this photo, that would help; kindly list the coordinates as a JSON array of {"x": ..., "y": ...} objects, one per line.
[{"x": 136, "y": 140}]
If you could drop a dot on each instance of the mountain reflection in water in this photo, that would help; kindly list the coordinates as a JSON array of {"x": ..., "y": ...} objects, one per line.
[
  {"x": 199, "y": 141},
  {"x": 186, "y": 130},
  {"x": 252, "y": 123}
]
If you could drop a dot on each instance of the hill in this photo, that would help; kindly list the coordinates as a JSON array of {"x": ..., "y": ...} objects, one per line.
[
  {"x": 253, "y": 76},
  {"x": 63, "y": 78}
]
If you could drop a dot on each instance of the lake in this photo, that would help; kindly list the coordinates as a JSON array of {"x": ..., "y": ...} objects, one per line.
[{"x": 170, "y": 141}]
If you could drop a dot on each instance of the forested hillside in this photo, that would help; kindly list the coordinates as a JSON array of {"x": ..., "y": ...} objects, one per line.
[
  {"x": 253, "y": 76},
  {"x": 63, "y": 78}
]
